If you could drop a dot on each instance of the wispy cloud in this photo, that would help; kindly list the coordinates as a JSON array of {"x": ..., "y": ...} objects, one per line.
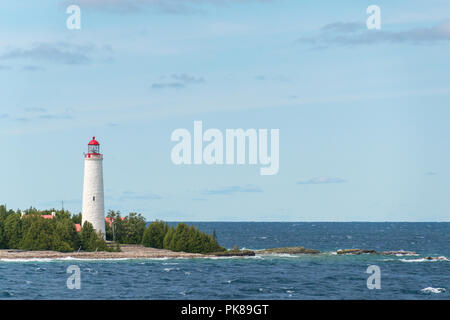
[
  {"x": 233, "y": 189},
  {"x": 35, "y": 110},
  {"x": 58, "y": 52},
  {"x": 431, "y": 173},
  {"x": 199, "y": 199},
  {"x": 322, "y": 180},
  {"x": 177, "y": 81},
  {"x": 31, "y": 68},
  {"x": 355, "y": 33},
  {"x": 39, "y": 113},
  {"x": 274, "y": 78},
  {"x": 131, "y": 195}
]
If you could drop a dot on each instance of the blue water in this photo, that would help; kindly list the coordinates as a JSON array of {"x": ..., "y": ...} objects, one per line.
[{"x": 323, "y": 276}]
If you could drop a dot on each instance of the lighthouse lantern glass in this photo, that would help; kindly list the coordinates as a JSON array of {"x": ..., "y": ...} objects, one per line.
[{"x": 94, "y": 149}]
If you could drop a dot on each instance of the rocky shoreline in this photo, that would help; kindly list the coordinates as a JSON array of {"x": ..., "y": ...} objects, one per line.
[
  {"x": 141, "y": 252},
  {"x": 127, "y": 252}
]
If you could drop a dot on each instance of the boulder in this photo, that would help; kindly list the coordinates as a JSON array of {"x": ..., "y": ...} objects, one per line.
[{"x": 356, "y": 251}]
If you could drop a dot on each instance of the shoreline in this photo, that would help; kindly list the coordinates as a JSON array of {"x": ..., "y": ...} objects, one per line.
[{"x": 128, "y": 252}]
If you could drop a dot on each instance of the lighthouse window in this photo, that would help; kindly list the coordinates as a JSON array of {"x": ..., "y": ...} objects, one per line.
[{"x": 93, "y": 198}]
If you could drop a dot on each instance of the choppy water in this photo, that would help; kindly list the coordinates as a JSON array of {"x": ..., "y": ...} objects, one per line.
[{"x": 324, "y": 276}]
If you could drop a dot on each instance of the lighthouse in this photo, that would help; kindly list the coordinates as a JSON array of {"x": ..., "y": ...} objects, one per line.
[{"x": 93, "y": 195}]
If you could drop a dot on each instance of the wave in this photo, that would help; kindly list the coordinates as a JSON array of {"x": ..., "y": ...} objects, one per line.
[
  {"x": 170, "y": 269},
  {"x": 22, "y": 260},
  {"x": 433, "y": 290},
  {"x": 436, "y": 259}
]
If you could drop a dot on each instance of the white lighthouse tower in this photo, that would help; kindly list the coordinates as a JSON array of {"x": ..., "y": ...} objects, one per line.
[{"x": 93, "y": 196}]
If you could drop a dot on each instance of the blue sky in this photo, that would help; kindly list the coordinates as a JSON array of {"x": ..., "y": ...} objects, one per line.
[{"x": 363, "y": 114}]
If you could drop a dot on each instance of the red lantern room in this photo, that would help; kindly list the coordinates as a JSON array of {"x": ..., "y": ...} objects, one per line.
[{"x": 93, "y": 149}]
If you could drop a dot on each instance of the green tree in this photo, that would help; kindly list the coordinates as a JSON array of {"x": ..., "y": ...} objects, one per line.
[
  {"x": 168, "y": 239},
  {"x": 38, "y": 233},
  {"x": 118, "y": 228},
  {"x": 134, "y": 228},
  {"x": 3, "y": 244},
  {"x": 190, "y": 239},
  {"x": 65, "y": 236},
  {"x": 3, "y": 212},
  {"x": 13, "y": 230},
  {"x": 154, "y": 234},
  {"x": 91, "y": 240},
  {"x": 76, "y": 218}
]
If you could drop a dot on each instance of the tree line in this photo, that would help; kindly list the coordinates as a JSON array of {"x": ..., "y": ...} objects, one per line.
[
  {"x": 180, "y": 238},
  {"x": 132, "y": 230},
  {"x": 28, "y": 230}
]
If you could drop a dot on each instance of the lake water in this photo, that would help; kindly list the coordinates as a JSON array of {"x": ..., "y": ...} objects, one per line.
[{"x": 323, "y": 276}]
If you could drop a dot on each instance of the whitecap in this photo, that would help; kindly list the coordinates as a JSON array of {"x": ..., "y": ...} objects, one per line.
[
  {"x": 436, "y": 259},
  {"x": 170, "y": 269},
  {"x": 433, "y": 290},
  {"x": 26, "y": 260}
]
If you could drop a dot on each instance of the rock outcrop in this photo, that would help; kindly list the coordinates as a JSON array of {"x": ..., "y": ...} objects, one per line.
[
  {"x": 235, "y": 253},
  {"x": 288, "y": 250},
  {"x": 387, "y": 253},
  {"x": 398, "y": 253},
  {"x": 355, "y": 251}
]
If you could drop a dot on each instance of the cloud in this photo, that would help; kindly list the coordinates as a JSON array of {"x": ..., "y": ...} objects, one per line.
[
  {"x": 199, "y": 199},
  {"x": 233, "y": 189},
  {"x": 162, "y": 6},
  {"x": 185, "y": 78},
  {"x": 354, "y": 34},
  {"x": 170, "y": 85},
  {"x": 322, "y": 180},
  {"x": 35, "y": 110},
  {"x": 177, "y": 81},
  {"x": 431, "y": 173},
  {"x": 38, "y": 113},
  {"x": 32, "y": 68},
  {"x": 344, "y": 27},
  {"x": 130, "y": 195},
  {"x": 49, "y": 116},
  {"x": 276, "y": 78},
  {"x": 58, "y": 52}
]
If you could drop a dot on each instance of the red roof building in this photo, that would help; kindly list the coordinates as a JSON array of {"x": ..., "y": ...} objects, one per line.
[
  {"x": 107, "y": 220},
  {"x": 110, "y": 220}
]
